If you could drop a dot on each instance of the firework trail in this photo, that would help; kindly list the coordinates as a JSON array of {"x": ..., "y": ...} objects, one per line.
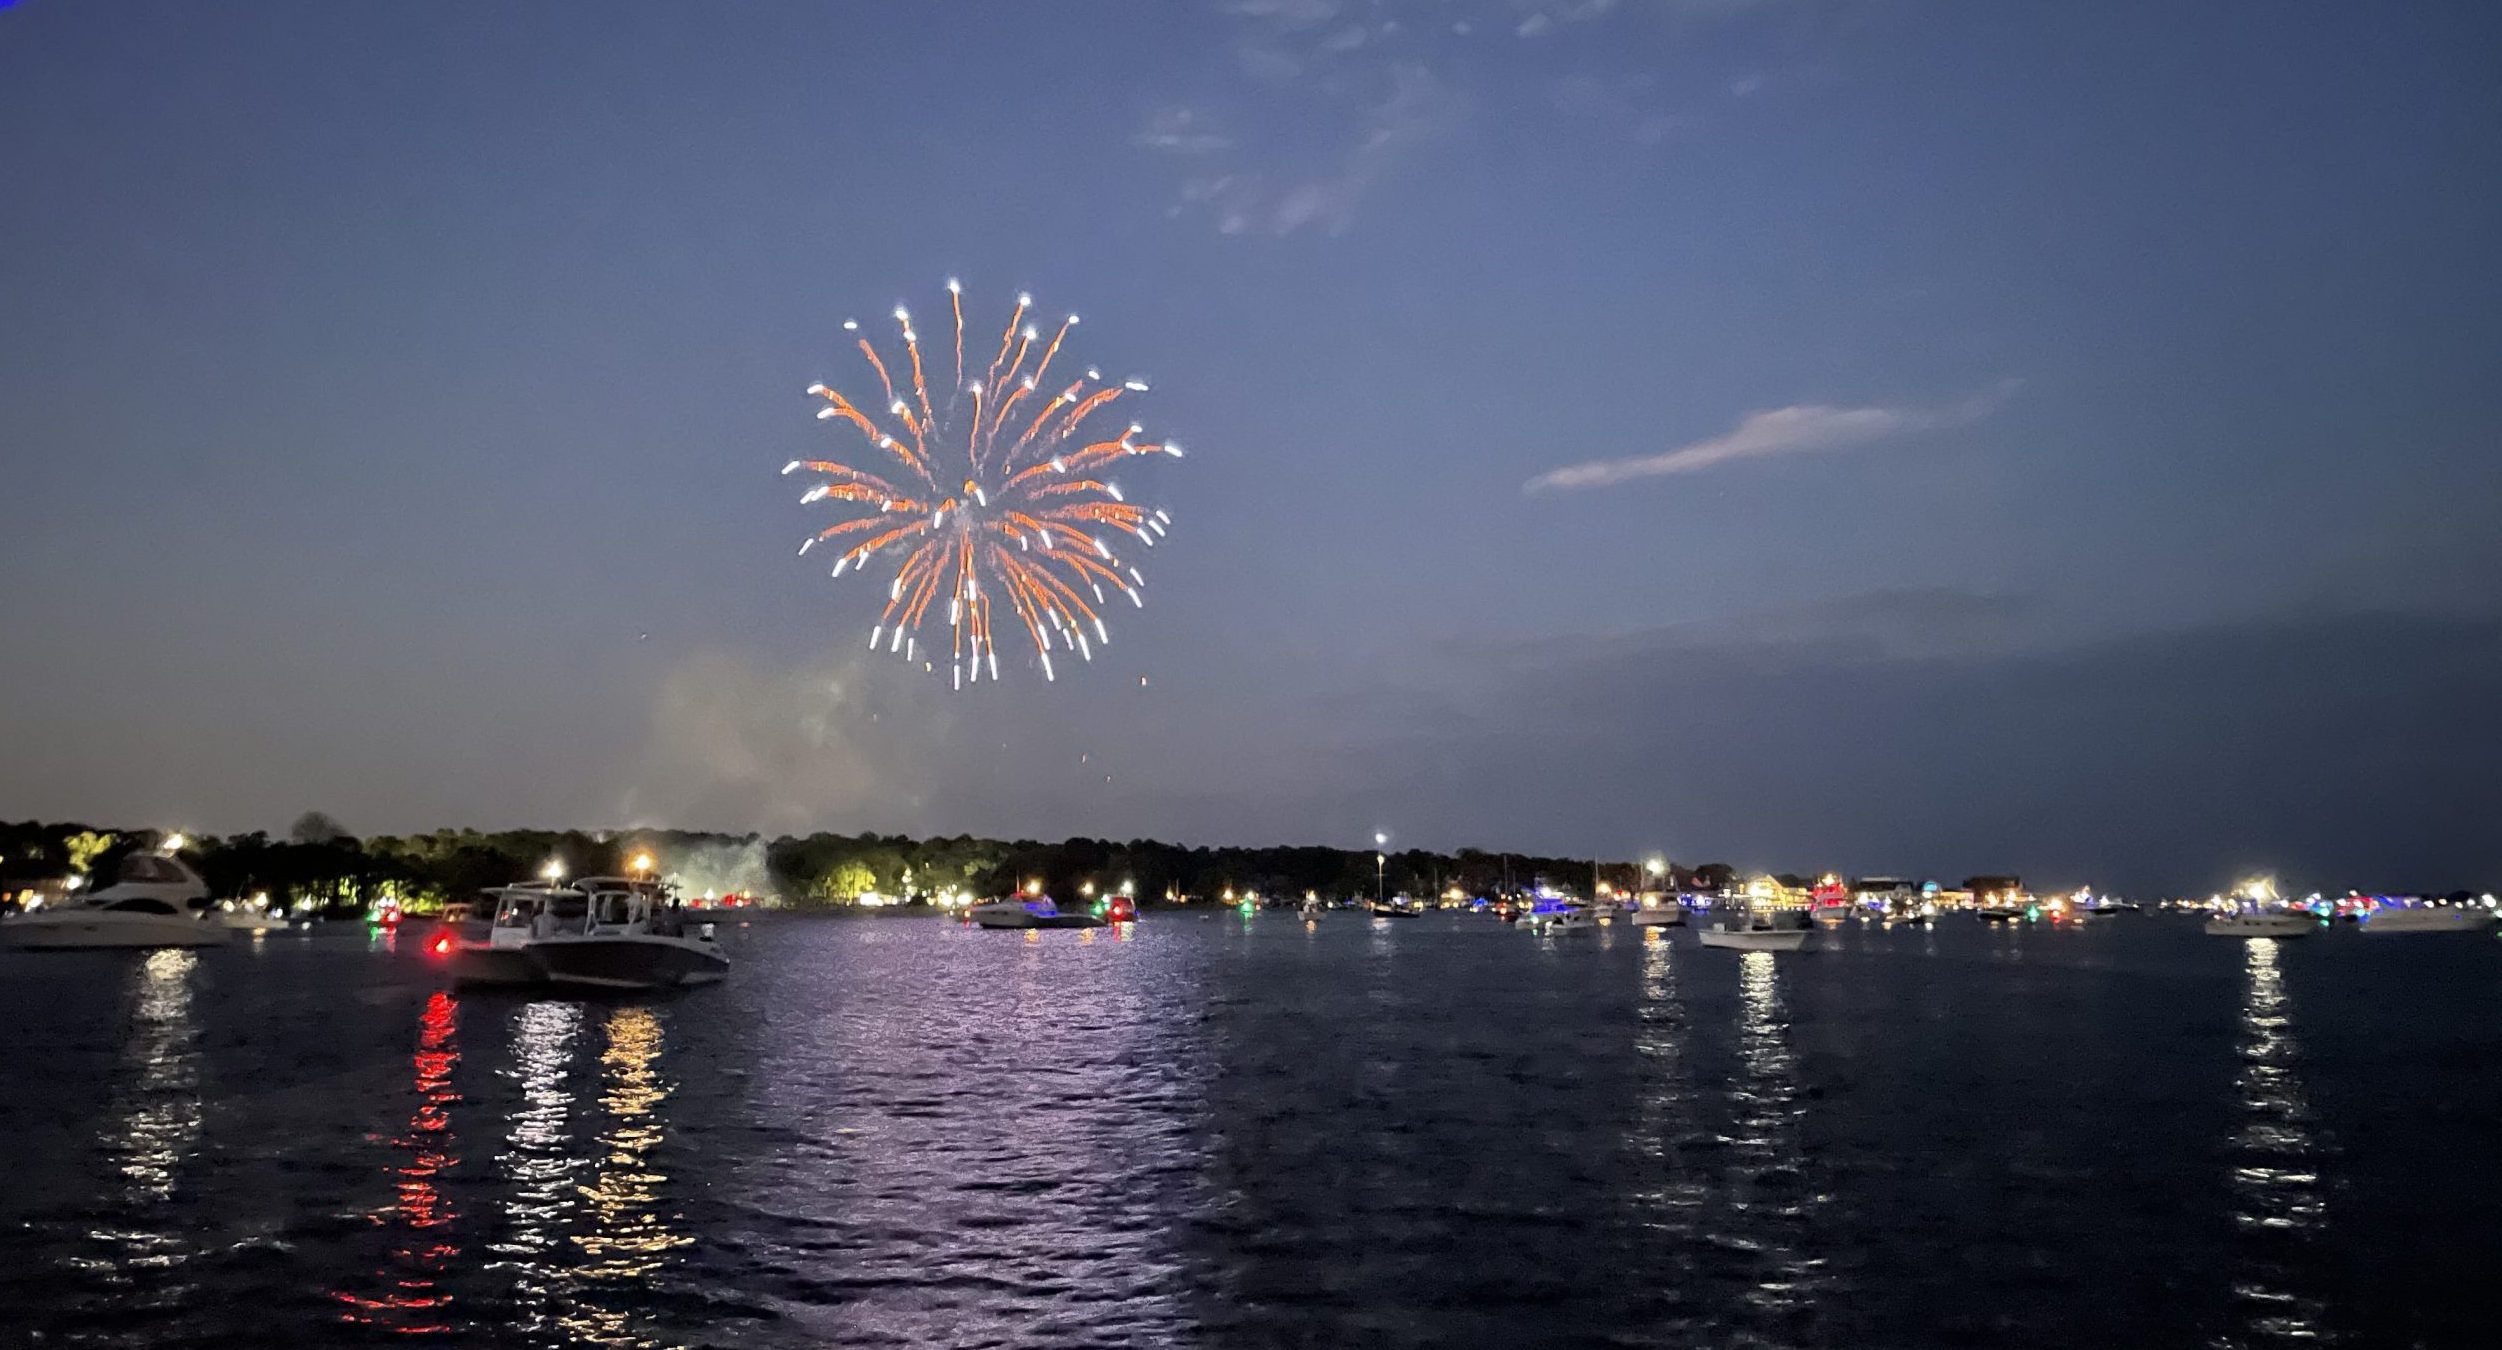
[{"x": 992, "y": 496}]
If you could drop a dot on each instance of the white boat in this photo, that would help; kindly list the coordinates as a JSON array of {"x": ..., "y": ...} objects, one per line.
[
  {"x": 2263, "y": 924},
  {"x": 1661, "y": 914},
  {"x": 1746, "y": 929},
  {"x": 155, "y": 901},
  {"x": 1311, "y": 910},
  {"x": 632, "y": 935},
  {"x": 523, "y": 914},
  {"x": 1570, "y": 919},
  {"x": 1028, "y": 911},
  {"x": 253, "y": 921},
  {"x": 2428, "y": 919}
]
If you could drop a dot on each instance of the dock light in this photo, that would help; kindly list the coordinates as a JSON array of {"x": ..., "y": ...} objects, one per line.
[
  {"x": 1086, "y": 889},
  {"x": 176, "y": 842},
  {"x": 642, "y": 863},
  {"x": 1229, "y": 893},
  {"x": 1128, "y": 887},
  {"x": 553, "y": 871}
]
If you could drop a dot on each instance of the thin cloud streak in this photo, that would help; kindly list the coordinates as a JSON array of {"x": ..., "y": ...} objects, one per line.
[{"x": 1778, "y": 431}]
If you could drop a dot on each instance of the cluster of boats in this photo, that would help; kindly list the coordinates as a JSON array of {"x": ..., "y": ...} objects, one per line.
[
  {"x": 155, "y": 900},
  {"x": 2386, "y": 921},
  {"x": 1734, "y": 925},
  {"x": 617, "y": 933},
  {"x": 610, "y": 933}
]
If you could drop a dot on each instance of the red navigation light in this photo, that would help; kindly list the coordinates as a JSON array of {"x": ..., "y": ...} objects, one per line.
[{"x": 443, "y": 945}]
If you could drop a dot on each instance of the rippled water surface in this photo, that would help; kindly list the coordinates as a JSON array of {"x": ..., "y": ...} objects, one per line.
[{"x": 1217, "y": 1131}]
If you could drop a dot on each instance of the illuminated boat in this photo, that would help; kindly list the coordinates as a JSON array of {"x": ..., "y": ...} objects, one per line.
[
  {"x": 502, "y": 956},
  {"x": 1570, "y": 919},
  {"x": 156, "y": 900},
  {"x": 2263, "y": 924},
  {"x": 632, "y": 935},
  {"x": 1659, "y": 911},
  {"x": 1746, "y": 928},
  {"x": 2392, "y": 919},
  {"x": 1029, "y": 911}
]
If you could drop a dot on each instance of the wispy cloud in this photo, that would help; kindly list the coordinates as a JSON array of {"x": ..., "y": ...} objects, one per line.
[
  {"x": 1416, "y": 108},
  {"x": 1779, "y": 431},
  {"x": 1182, "y": 131}
]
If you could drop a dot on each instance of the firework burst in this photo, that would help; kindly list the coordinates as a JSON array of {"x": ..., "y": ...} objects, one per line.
[{"x": 992, "y": 495}]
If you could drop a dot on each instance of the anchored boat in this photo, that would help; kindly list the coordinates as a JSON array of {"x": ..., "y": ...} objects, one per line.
[
  {"x": 632, "y": 935},
  {"x": 1743, "y": 927},
  {"x": 156, "y": 900}
]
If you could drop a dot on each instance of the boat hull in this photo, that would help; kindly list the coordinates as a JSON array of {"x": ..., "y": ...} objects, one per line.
[
  {"x": 78, "y": 932},
  {"x": 1659, "y": 918},
  {"x": 628, "y": 961},
  {"x": 1750, "y": 940},
  {"x": 2269, "y": 927},
  {"x": 2393, "y": 922},
  {"x": 490, "y": 967}
]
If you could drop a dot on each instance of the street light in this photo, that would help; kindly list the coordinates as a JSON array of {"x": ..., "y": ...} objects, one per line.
[{"x": 1381, "y": 868}]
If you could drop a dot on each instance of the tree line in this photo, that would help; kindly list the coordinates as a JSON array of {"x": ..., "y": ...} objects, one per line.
[{"x": 321, "y": 866}]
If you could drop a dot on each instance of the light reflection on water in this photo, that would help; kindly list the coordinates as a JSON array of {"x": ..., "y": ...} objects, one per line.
[
  {"x": 627, "y": 1232},
  {"x": 159, "y": 1119},
  {"x": 1770, "y": 1206},
  {"x": 2278, "y": 1205},
  {"x": 974, "y": 1145},
  {"x": 408, "y": 1296},
  {"x": 1668, "y": 1189},
  {"x": 538, "y": 1162}
]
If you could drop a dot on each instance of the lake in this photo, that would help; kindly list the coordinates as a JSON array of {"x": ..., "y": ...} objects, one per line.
[{"x": 1215, "y": 1130}]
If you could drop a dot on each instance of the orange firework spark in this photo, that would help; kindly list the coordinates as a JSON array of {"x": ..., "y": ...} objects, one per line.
[{"x": 986, "y": 513}]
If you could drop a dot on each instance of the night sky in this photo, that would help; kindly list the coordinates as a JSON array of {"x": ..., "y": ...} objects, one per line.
[{"x": 1880, "y": 436}]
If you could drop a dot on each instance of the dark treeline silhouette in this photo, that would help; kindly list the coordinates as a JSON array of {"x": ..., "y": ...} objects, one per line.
[{"x": 319, "y": 862}]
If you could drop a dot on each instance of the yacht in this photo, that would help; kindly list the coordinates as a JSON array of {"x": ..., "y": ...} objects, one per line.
[
  {"x": 1745, "y": 928},
  {"x": 1570, "y": 919},
  {"x": 1029, "y": 911},
  {"x": 632, "y": 935},
  {"x": 2275, "y": 923},
  {"x": 1662, "y": 912},
  {"x": 2427, "y": 919},
  {"x": 155, "y": 901}
]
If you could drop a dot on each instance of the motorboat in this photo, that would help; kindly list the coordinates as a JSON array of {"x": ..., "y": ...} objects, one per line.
[
  {"x": 156, "y": 900},
  {"x": 1394, "y": 909},
  {"x": 631, "y": 935},
  {"x": 1659, "y": 914},
  {"x": 1569, "y": 919},
  {"x": 1311, "y": 910},
  {"x": 1029, "y": 911},
  {"x": 253, "y": 921},
  {"x": 1748, "y": 929},
  {"x": 502, "y": 957},
  {"x": 2263, "y": 923},
  {"x": 2428, "y": 919}
]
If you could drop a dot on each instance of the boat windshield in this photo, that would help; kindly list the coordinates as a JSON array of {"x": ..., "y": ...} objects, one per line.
[
  {"x": 614, "y": 907},
  {"x": 517, "y": 912},
  {"x": 141, "y": 905}
]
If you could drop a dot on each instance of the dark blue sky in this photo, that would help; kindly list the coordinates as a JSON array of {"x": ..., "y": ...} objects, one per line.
[{"x": 2056, "y": 438}]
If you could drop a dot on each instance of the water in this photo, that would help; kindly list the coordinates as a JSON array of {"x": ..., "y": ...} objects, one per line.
[{"x": 1224, "y": 1132}]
